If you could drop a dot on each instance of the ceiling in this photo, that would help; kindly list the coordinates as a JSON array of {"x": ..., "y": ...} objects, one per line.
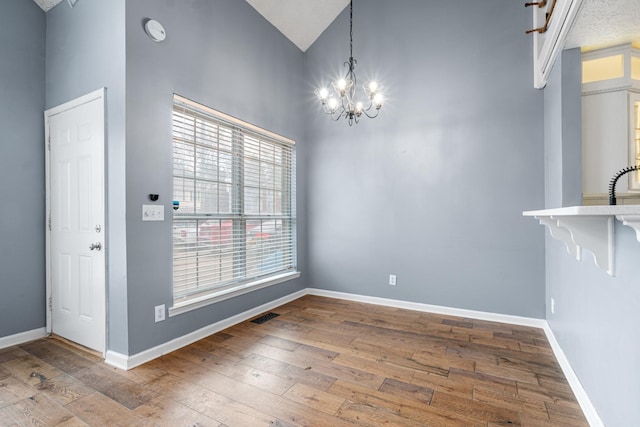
[
  {"x": 601, "y": 23},
  {"x": 302, "y": 21},
  {"x": 47, "y": 4},
  {"x": 605, "y": 23}
]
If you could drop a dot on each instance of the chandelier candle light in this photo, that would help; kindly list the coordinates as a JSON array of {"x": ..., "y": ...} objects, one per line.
[{"x": 343, "y": 104}]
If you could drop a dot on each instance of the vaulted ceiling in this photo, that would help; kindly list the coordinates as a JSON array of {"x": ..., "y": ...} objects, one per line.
[
  {"x": 601, "y": 23},
  {"x": 301, "y": 21}
]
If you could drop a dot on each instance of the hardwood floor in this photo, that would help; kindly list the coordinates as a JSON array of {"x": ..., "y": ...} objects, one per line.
[{"x": 322, "y": 362}]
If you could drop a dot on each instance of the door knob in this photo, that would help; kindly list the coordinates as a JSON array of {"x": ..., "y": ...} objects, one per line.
[{"x": 95, "y": 246}]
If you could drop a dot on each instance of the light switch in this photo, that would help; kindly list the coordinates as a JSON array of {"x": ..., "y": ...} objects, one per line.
[{"x": 153, "y": 212}]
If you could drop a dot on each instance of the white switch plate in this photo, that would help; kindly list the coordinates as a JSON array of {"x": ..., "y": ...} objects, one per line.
[
  {"x": 153, "y": 212},
  {"x": 159, "y": 313}
]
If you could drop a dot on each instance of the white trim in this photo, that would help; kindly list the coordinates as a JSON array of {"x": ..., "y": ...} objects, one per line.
[
  {"x": 119, "y": 360},
  {"x": 548, "y": 45},
  {"x": 84, "y": 99},
  {"x": 92, "y": 96},
  {"x": 428, "y": 308},
  {"x": 581, "y": 395},
  {"x": 213, "y": 297},
  {"x": 129, "y": 362},
  {"x": 22, "y": 337}
]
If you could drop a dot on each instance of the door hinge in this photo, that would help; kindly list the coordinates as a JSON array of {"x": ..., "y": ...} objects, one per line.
[
  {"x": 49, "y": 222},
  {"x": 49, "y": 143},
  {"x": 50, "y": 303}
]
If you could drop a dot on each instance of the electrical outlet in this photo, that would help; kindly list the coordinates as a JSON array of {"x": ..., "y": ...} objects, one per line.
[
  {"x": 392, "y": 279},
  {"x": 159, "y": 313},
  {"x": 553, "y": 306}
]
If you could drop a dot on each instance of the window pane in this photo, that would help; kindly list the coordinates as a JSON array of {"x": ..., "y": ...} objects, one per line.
[
  {"x": 265, "y": 251},
  {"x": 278, "y": 156},
  {"x": 225, "y": 138},
  {"x": 267, "y": 151},
  {"x": 183, "y": 155},
  {"x": 206, "y": 164},
  {"x": 184, "y": 191},
  {"x": 251, "y": 173},
  {"x": 277, "y": 177},
  {"x": 226, "y": 167},
  {"x": 277, "y": 202},
  {"x": 251, "y": 147},
  {"x": 183, "y": 126},
  {"x": 206, "y": 197},
  {"x": 266, "y": 201},
  {"x": 251, "y": 201},
  {"x": 266, "y": 175},
  {"x": 206, "y": 133},
  {"x": 225, "y": 204}
]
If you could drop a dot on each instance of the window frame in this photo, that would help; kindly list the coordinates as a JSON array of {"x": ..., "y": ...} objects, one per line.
[{"x": 241, "y": 133}]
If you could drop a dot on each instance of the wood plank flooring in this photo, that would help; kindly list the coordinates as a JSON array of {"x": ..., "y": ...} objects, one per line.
[{"x": 322, "y": 362}]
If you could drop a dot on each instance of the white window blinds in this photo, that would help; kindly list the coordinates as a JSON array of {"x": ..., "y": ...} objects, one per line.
[{"x": 235, "y": 185}]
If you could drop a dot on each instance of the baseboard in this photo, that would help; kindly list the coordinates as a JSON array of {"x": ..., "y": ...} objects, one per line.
[
  {"x": 129, "y": 362},
  {"x": 428, "y": 308},
  {"x": 118, "y": 360},
  {"x": 22, "y": 337},
  {"x": 581, "y": 395}
]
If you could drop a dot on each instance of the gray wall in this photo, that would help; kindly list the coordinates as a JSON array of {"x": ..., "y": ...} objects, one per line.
[
  {"x": 596, "y": 316},
  {"x": 85, "y": 52},
  {"x": 225, "y": 55},
  {"x": 434, "y": 188},
  {"x": 22, "y": 218},
  {"x": 562, "y": 122}
]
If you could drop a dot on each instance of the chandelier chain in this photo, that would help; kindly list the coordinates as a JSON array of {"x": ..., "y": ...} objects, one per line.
[{"x": 351, "y": 31}]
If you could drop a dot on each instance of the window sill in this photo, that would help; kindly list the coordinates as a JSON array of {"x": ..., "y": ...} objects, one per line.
[{"x": 213, "y": 297}]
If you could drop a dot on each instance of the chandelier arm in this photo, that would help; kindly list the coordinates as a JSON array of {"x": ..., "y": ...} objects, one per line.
[
  {"x": 339, "y": 111},
  {"x": 366, "y": 113},
  {"x": 345, "y": 107},
  {"x": 369, "y": 107}
]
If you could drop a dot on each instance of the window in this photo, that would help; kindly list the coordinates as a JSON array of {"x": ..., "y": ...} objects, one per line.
[{"x": 234, "y": 230}]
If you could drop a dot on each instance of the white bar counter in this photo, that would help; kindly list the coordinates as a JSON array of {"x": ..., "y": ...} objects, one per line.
[{"x": 591, "y": 227}]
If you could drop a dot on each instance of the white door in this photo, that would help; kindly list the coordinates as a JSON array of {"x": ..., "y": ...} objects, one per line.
[{"x": 76, "y": 222}]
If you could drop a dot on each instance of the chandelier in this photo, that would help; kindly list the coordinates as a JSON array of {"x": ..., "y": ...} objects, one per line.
[{"x": 343, "y": 103}]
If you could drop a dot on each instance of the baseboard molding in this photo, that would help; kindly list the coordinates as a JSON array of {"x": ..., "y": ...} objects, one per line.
[
  {"x": 436, "y": 309},
  {"x": 125, "y": 362},
  {"x": 581, "y": 395},
  {"x": 22, "y": 337}
]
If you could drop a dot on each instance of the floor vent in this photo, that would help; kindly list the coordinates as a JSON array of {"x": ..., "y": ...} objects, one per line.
[{"x": 264, "y": 318}]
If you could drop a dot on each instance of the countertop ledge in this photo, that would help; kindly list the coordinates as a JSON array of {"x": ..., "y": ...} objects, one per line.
[
  {"x": 587, "y": 210},
  {"x": 591, "y": 227}
]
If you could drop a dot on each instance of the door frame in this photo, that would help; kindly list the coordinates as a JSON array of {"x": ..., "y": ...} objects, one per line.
[{"x": 92, "y": 96}]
